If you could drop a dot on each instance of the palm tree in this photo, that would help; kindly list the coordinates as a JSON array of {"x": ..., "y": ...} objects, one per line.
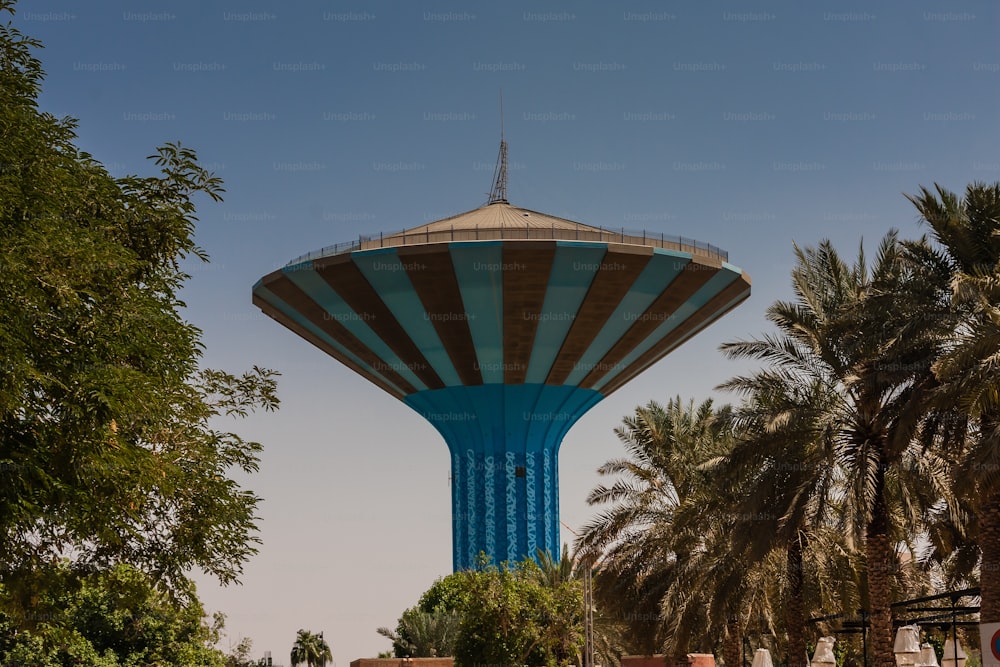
[
  {"x": 640, "y": 555},
  {"x": 608, "y": 628},
  {"x": 422, "y": 634},
  {"x": 552, "y": 572},
  {"x": 720, "y": 577},
  {"x": 839, "y": 337},
  {"x": 968, "y": 230},
  {"x": 784, "y": 463},
  {"x": 310, "y": 649}
]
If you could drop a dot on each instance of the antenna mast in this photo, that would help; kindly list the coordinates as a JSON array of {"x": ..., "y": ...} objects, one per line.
[{"x": 498, "y": 195}]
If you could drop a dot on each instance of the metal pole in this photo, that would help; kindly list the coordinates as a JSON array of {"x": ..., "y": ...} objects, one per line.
[
  {"x": 588, "y": 617},
  {"x": 954, "y": 633},
  {"x": 864, "y": 635}
]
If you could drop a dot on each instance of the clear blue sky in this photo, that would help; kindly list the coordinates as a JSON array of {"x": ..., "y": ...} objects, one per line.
[{"x": 745, "y": 125}]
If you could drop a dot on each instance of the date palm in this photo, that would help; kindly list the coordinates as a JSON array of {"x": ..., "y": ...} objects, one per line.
[
  {"x": 310, "y": 649},
  {"x": 422, "y": 634},
  {"x": 871, "y": 366},
  {"x": 968, "y": 231},
  {"x": 784, "y": 463},
  {"x": 721, "y": 576},
  {"x": 641, "y": 555}
]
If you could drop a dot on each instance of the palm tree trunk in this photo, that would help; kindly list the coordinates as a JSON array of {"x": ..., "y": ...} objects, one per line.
[
  {"x": 732, "y": 644},
  {"x": 681, "y": 642},
  {"x": 989, "y": 545},
  {"x": 881, "y": 564},
  {"x": 794, "y": 621}
]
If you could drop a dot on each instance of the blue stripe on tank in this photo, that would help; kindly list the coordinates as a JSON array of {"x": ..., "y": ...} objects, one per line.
[
  {"x": 292, "y": 314},
  {"x": 337, "y": 309},
  {"x": 716, "y": 284},
  {"x": 661, "y": 270},
  {"x": 386, "y": 273},
  {"x": 714, "y": 316},
  {"x": 573, "y": 269},
  {"x": 479, "y": 271}
]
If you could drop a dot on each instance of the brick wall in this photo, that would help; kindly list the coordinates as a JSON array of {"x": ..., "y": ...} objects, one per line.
[{"x": 402, "y": 662}]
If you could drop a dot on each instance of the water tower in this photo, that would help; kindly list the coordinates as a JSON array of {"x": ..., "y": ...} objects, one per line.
[{"x": 502, "y": 326}]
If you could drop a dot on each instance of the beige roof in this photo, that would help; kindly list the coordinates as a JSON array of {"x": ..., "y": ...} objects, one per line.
[
  {"x": 499, "y": 216},
  {"x": 501, "y": 221}
]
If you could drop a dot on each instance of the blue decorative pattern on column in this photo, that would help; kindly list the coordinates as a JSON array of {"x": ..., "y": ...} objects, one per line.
[
  {"x": 499, "y": 513},
  {"x": 529, "y": 493},
  {"x": 511, "y": 502},
  {"x": 458, "y": 530},
  {"x": 547, "y": 488},
  {"x": 489, "y": 505},
  {"x": 468, "y": 512}
]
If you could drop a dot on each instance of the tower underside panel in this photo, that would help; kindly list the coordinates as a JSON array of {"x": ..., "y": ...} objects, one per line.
[
  {"x": 504, "y": 443},
  {"x": 562, "y": 313}
]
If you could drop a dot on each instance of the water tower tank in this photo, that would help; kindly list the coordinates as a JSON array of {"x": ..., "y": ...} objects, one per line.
[{"x": 502, "y": 326}]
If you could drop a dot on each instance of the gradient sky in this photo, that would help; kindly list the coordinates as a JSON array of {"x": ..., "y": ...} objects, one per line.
[{"x": 746, "y": 125}]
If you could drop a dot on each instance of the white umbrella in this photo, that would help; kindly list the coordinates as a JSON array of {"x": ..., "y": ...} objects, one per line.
[
  {"x": 951, "y": 650},
  {"x": 907, "y": 646},
  {"x": 823, "y": 657},
  {"x": 927, "y": 656},
  {"x": 762, "y": 658}
]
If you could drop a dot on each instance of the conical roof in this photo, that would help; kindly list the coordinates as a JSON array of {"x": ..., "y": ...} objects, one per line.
[
  {"x": 500, "y": 215},
  {"x": 502, "y": 221}
]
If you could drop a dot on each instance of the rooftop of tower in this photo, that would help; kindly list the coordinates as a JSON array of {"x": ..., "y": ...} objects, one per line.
[{"x": 503, "y": 221}]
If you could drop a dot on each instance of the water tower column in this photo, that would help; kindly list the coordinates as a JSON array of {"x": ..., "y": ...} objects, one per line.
[{"x": 504, "y": 443}]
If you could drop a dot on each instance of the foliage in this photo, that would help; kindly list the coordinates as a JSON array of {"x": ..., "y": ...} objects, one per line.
[
  {"x": 871, "y": 427},
  {"x": 502, "y": 615},
  {"x": 964, "y": 419},
  {"x": 642, "y": 556},
  {"x": 103, "y": 618},
  {"x": 114, "y": 480},
  {"x": 449, "y": 593},
  {"x": 422, "y": 634},
  {"x": 310, "y": 649},
  {"x": 240, "y": 655},
  {"x": 102, "y": 404},
  {"x": 513, "y": 619},
  {"x": 865, "y": 335}
]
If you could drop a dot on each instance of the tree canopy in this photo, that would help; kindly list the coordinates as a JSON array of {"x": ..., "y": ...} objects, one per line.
[
  {"x": 507, "y": 614},
  {"x": 114, "y": 474},
  {"x": 102, "y": 402},
  {"x": 859, "y": 470},
  {"x": 105, "y": 618}
]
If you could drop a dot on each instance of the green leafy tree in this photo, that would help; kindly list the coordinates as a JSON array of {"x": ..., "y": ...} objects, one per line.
[
  {"x": 310, "y": 649},
  {"x": 449, "y": 593},
  {"x": 102, "y": 403},
  {"x": 103, "y": 618},
  {"x": 511, "y": 614},
  {"x": 513, "y": 619}
]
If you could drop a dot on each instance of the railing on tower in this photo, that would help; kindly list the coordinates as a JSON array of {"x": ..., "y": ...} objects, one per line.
[{"x": 582, "y": 233}]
